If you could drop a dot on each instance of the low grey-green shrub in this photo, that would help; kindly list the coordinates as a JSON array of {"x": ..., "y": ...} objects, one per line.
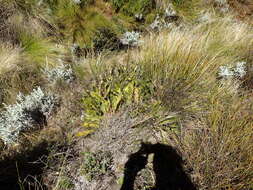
[
  {"x": 131, "y": 39},
  {"x": 61, "y": 72},
  {"x": 28, "y": 111},
  {"x": 230, "y": 71},
  {"x": 96, "y": 164}
]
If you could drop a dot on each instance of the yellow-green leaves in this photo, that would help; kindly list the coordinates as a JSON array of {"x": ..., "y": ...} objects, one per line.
[{"x": 110, "y": 95}]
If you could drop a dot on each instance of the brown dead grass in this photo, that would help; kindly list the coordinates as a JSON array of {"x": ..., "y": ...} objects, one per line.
[{"x": 244, "y": 9}]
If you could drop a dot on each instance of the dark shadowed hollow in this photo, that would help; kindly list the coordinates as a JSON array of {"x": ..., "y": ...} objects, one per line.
[
  {"x": 167, "y": 166},
  {"x": 23, "y": 171}
]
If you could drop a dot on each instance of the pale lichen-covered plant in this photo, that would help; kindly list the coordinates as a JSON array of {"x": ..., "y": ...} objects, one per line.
[
  {"x": 25, "y": 114},
  {"x": 237, "y": 71},
  {"x": 131, "y": 39},
  {"x": 61, "y": 72}
]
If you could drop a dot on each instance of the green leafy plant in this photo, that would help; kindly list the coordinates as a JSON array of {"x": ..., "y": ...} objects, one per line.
[
  {"x": 109, "y": 95},
  {"x": 96, "y": 164},
  {"x": 65, "y": 183}
]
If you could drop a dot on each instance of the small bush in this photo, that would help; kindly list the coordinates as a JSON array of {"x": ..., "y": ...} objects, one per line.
[
  {"x": 61, "y": 72},
  {"x": 237, "y": 71},
  {"x": 28, "y": 111},
  {"x": 105, "y": 39},
  {"x": 131, "y": 39},
  {"x": 96, "y": 164}
]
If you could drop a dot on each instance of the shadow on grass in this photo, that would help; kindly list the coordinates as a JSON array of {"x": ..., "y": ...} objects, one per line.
[
  {"x": 23, "y": 168},
  {"x": 167, "y": 166}
]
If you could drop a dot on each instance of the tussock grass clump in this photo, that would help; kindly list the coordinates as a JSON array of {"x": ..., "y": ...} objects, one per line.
[
  {"x": 183, "y": 67},
  {"x": 20, "y": 64},
  {"x": 15, "y": 72},
  {"x": 130, "y": 7},
  {"x": 188, "y": 9},
  {"x": 9, "y": 57},
  {"x": 79, "y": 21},
  {"x": 219, "y": 147},
  {"x": 38, "y": 50},
  {"x": 19, "y": 16}
]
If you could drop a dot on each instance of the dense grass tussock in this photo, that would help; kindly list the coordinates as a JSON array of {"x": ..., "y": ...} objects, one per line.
[
  {"x": 183, "y": 65},
  {"x": 219, "y": 147},
  {"x": 10, "y": 57}
]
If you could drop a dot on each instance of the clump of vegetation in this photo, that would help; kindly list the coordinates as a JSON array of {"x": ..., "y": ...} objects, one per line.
[
  {"x": 130, "y": 7},
  {"x": 124, "y": 88},
  {"x": 189, "y": 10},
  {"x": 25, "y": 114},
  {"x": 95, "y": 165},
  {"x": 79, "y": 22},
  {"x": 220, "y": 146},
  {"x": 60, "y": 72},
  {"x": 36, "y": 49},
  {"x": 209, "y": 110},
  {"x": 237, "y": 71},
  {"x": 131, "y": 39},
  {"x": 65, "y": 183},
  {"x": 105, "y": 39}
]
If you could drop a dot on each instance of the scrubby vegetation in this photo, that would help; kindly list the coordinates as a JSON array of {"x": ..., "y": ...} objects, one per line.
[{"x": 83, "y": 83}]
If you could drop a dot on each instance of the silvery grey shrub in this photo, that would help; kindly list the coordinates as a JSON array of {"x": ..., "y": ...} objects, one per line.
[
  {"x": 138, "y": 16},
  {"x": 25, "y": 114},
  {"x": 61, "y": 72},
  {"x": 131, "y": 39},
  {"x": 169, "y": 11},
  {"x": 160, "y": 24},
  {"x": 236, "y": 71},
  {"x": 77, "y": 1},
  {"x": 157, "y": 24}
]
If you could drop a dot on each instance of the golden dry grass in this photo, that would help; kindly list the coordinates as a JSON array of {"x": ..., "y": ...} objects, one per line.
[
  {"x": 216, "y": 135},
  {"x": 9, "y": 57}
]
